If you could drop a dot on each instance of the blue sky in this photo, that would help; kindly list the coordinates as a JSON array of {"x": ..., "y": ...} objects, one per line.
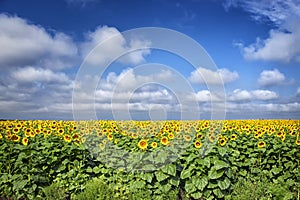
[{"x": 255, "y": 46}]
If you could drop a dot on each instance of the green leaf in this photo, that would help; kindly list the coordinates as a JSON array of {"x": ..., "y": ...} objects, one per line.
[
  {"x": 186, "y": 173},
  {"x": 174, "y": 181},
  {"x": 190, "y": 187},
  {"x": 165, "y": 188},
  {"x": 96, "y": 170},
  {"x": 222, "y": 151},
  {"x": 200, "y": 183},
  {"x": 224, "y": 184},
  {"x": 276, "y": 170},
  {"x": 170, "y": 169},
  {"x": 218, "y": 193},
  {"x": 197, "y": 195},
  {"x": 204, "y": 162},
  {"x": 214, "y": 174},
  {"x": 138, "y": 184},
  {"x": 191, "y": 157},
  {"x": 89, "y": 170},
  {"x": 147, "y": 177},
  {"x": 19, "y": 185},
  {"x": 212, "y": 185},
  {"x": 243, "y": 172},
  {"x": 160, "y": 176},
  {"x": 219, "y": 164}
]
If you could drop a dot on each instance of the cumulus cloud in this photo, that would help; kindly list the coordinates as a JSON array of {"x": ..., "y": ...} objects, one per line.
[
  {"x": 280, "y": 45},
  {"x": 25, "y": 44},
  {"x": 30, "y": 74},
  {"x": 271, "y": 77},
  {"x": 114, "y": 45},
  {"x": 203, "y": 75},
  {"x": 245, "y": 95},
  {"x": 207, "y": 96}
]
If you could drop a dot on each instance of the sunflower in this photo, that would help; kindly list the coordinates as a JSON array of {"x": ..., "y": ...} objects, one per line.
[
  {"x": 25, "y": 141},
  {"x": 261, "y": 144},
  {"x": 110, "y": 136},
  {"x": 298, "y": 142},
  {"x": 143, "y": 144},
  {"x": 60, "y": 131},
  {"x": 15, "y": 138},
  {"x": 222, "y": 141},
  {"x": 164, "y": 140},
  {"x": 1, "y": 136},
  {"x": 32, "y": 134},
  {"x": 154, "y": 145},
  {"x": 67, "y": 138},
  {"x": 171, "y": 136},
  {"x": 102, "y": 146},
  {"x": 197, "y": 144},
  {"x": 16, "y": 130},
  {"x": 199, "y": 136},
  {"x": 187, "y": 137},
  {"x": 233, "y": 137},
  {"x": 282, "y": 138}
]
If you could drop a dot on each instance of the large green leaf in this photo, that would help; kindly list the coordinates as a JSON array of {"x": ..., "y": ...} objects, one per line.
[
  {"x": 224, "y": 184},
  {"x": 204, "y": 162},
  {"x": 19, "y": 185},
  {"x": 213, "y": 173},
  {"x": 218, "y": 193},
  {"x": 160, "y": 176},
  {"x": 186, "y": 173},
  {"x": 219, "y": 164},
  {"x": 190, "y": 187},
  {"x": 170, "y": 169},
  {"x": 196, "y": 195},
  {"x": 147, "y": 177},
  {"x": 200, "y": 183}
]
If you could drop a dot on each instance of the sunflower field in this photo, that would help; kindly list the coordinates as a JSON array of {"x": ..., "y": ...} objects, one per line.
[{"x": 205, "y": 159}]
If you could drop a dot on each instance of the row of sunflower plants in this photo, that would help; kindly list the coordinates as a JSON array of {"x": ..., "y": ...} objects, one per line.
[{"x": 152, "y": 160}]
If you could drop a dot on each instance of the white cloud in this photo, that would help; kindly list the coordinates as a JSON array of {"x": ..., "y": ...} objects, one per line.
[
  {"x": 277, "y": 11},
  {"x": 30, "y": 74},
  {"x": 280, "y": 45},
  {"x": 203, "y": 75},
  {"x": 245, "y": 95},
  {"x": 114, "y": 45},
  {"x": 207, "y": 96},
  {"x": 24, "y": 44},
  {"x": 271, "y": 77}
]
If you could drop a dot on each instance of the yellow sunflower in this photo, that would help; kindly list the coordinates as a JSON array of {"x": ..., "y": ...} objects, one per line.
[
  {"x": 60, "y": 131},
  {"x": 154, "y": 145},
  {"x": 261, "y": 144},
  {"x": 171, "y": 136},
  {"x": 16, "y": 130},
  {"x": 197, "y": 144},
  {"x": 187, "y": 137},
  {"x": 25, "y": 141},
  {"x": 164, "y": 140},
  {"x": 67, "y": 138},
  {"x": 222, "y": 141},
  {"x": 1, "y": 136},
  {"x": 102, "y": 146},
  {"x": 233, "y": 137},
  {"x": 15, "y": 138},
  {"x": 298, "y": 142},
  {"x": 199, "y": 136},
  {"x": 143, "y": 144},
  {"x": 110, "y": 136}
]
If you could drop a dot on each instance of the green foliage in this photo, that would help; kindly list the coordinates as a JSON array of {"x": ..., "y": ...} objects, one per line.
[
  {"x": 54, "y": 192},
  {"x": 51, "y": 168}
]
